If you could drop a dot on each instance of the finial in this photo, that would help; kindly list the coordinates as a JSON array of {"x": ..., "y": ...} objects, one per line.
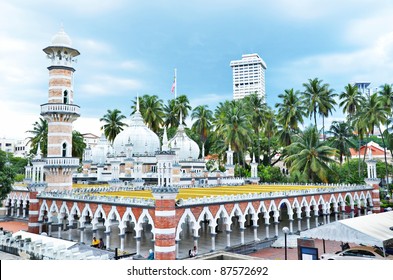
[{"x": 137, "y": 102}]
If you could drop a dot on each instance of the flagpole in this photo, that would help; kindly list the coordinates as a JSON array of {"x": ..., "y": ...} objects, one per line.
[{"x": 175, "y": 83}]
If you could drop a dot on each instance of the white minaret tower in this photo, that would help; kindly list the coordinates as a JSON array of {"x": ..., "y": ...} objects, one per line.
[{"x": 60, "y": 112}]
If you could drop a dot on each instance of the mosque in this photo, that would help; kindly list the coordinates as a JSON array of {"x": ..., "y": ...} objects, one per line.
[
  {"x": 157, "y": 194},
  {"x": 137, "y": 158}
]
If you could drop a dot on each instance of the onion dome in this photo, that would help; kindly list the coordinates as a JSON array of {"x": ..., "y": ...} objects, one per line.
[
  {"x": 61, "y": 39},
  {"x": 143, "y": 140},
  {"x": 186, "y": 147},
  {"x": 99, "y": 152}
]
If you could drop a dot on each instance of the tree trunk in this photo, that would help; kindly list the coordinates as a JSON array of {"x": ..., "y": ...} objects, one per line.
[{"x": 384, "y": 150}]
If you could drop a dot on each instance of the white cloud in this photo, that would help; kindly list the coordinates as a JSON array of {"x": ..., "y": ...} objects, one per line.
[
  {"x": 106, "y": 85},
  {"x": 92, "y": 46},
  {"x": 88, "y": 125}
]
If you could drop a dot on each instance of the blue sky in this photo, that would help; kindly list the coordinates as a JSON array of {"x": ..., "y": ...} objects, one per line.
[{"x": 132, "y": 47}]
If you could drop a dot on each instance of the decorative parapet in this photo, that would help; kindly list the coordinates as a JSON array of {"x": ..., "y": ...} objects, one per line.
[
  {"x": 50, "y": 108},
  {"x": 93, "y": 195},
  {"x": 62, "y": 161},
  {"x": 323, "y": 189}
]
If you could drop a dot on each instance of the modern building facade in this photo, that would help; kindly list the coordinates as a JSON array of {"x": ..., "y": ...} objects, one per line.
[{"x": 248, "y": 76}]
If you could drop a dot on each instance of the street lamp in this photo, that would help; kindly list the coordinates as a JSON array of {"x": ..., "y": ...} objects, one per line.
[{"x": 285, "y": 230}]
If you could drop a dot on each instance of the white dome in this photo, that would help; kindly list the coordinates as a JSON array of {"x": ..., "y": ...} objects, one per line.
[
  {"x": 61, "y": 39},
  {"x": 184, "y": 145},
  {"x": 100, "y": 151},
  {"x": 143, "y": 139}
]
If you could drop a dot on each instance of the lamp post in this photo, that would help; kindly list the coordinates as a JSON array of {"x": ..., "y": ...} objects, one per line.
[{"x": 285, "y": 230}]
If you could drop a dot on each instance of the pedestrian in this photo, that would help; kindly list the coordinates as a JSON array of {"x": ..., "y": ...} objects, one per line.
[
  {"x": 192, "y": 253},
  {"x": 95, "y": 242},
  {"x": 101, "y": 245},
  {"x": 151, "y": 255}
]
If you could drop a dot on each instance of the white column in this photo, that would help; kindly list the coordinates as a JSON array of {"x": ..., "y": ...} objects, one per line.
[
  {"x": 138, "y": 246},
  {"x": 122, "y": 236},
  {"x": 108, "y": 239},
  {"x": 228, "y": 232},
  {"x": 213, "y": 238},
  {"x": 81, "y": 238}
]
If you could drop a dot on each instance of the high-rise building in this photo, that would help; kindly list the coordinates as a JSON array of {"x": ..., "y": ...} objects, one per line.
[{"x": 248, "y": 76}]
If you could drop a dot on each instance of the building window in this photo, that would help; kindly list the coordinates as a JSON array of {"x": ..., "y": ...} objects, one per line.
[
  {"x": 65, "y": 97},
  {"x": 64, "y": 151}
]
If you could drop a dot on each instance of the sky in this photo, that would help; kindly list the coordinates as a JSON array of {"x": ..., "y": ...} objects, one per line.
[{"x": 132, "y": 47}]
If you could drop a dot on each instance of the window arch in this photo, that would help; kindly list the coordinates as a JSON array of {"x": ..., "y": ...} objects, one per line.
[
  {"x": 65, "y": 97},
  {"x": 64, "y": 149}
]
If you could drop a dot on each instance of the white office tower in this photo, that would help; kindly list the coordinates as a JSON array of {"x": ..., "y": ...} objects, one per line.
[{"x": 248, "y": 76}]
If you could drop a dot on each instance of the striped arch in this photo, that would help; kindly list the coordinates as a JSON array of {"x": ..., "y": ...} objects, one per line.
[
  {"x": 85, "y": 212},
  {"x": 138, "y": 225},
  {"x": 125, "y": 219},
  {"x": 206, "y": 211},
  {"x": 112, "y": 213},
  {"x": 262, "y": 209},
  {"x": 288, "y": 204},
  {"x": 26, "y": 198},
  {"x": 64, "y": 211},
  {"x": 97, "y": 213},
  {"x": 236, "y": 211},
  {"x": 227, "y": 220},
  {"x": 182, "y": 220},
  {"x": 340, "y": 202},
  {"x": 44, "y": 207},
  {"x": 351, "y": 201},
  {"x": 53, "y": 209}
]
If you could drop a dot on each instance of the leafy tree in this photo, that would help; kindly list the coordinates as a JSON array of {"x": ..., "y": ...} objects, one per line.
[
  {"x": 313, "y": 97},
  {"x": 7, "y": 175},
  {"x": 78, "y": 144},
  {"x": 152, "y": 111},
  {"x": 113, "y": 124},
  {"x": 308, "y": 155},
  {"x": 203, "y": 123},
  {"x": 39, "y": 137}
]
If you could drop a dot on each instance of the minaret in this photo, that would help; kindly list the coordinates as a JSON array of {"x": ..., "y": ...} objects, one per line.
[{"x": 60, "y": 112}]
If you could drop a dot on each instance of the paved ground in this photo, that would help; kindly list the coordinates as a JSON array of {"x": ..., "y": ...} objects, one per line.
[{"x": 267, "y": 253}]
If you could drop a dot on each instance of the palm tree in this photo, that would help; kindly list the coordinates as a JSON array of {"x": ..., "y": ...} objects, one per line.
[
  {"x": 182, "y": 104},
  {"x": 203, "y": 123},
  {"x": 351, "y": 102},
  {"x": 341, "y": 139},
  {"x": 386, "y": 91},
  {"x": 152, "y": 111},
  {"x": 113, "y": 124},
  {"x": 313, "y": 98},
  {"x": 258, "y": 110},
  {"x": 270, "y": 128},
  {"x": 39, "y": 137},
  {"x": 326, "y": 106},
  {"x": 292, "y": 110},
  {"x": 78, "y": 144},
  {"x": 290, "y": 115},
  {"x": 233, "y": 126},
  {"x": 171, "y": 117},
  {"x": 374, "y": 113},
  {"x": 308, "y": 155}
]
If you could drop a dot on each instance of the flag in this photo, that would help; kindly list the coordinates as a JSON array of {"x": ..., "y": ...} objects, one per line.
[{"x": 173, "y": 85}]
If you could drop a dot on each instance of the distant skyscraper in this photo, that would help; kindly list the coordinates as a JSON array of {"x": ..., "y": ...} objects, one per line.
[
  {"x": 248, "y": 76},
  {"x": 363, "y": 87}
]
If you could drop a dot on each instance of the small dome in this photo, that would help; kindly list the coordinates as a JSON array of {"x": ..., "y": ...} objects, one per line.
[
  {"x": 61, "y": 39},
  {"x": 100, "y": 151},
  {"x": 143, "y": 139},
  {"x": 186, "y": 147}
]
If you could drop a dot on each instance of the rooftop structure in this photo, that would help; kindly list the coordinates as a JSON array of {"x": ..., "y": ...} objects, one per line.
[{"x": 248, "y": 76}]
